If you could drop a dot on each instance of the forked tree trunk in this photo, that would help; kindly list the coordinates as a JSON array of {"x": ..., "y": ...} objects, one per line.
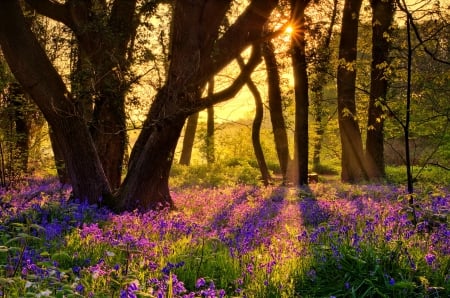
[
  {"x": 31, "y": 67},
  {"x": 382, "y": 17},
  {"x": 301, "y": 92},
  {"x": 276, "y": 108},
  {"x": 352, "y": 160},
  {"x": 197, "y": 55},
  {"x": 103, "y": 34}
]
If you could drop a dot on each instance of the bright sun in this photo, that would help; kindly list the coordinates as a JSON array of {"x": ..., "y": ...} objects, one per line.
[{"x": 289, "y": 30}]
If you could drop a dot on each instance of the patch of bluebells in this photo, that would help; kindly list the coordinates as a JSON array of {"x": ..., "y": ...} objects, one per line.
[{"x": 246, "y": 219}]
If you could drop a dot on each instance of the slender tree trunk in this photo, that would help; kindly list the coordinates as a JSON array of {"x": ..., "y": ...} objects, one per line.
[
  {"x": 21, "y": 135},
  {"x": 382, "y": 17},
  {"x": 35, "y": 73},
  {"x": 256, "y": 128},
  {"x": 188, "y": 140},
  {"x": 301, "y": 91},
  {"x": 319, "y": 109},
  {"x": 58, "y": 156},
  {"x": 209, "y": 141},
  {"x": 276, "y": 108},
  {"x": 352, "y": 160}
]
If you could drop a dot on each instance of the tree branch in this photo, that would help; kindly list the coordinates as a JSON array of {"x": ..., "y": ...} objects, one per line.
[
  {"x": 254, "y": 60},
  {"x": 404, "y": 8},
  {"x": 53, "y": 10},
  {"x": 245, "y": 31}
]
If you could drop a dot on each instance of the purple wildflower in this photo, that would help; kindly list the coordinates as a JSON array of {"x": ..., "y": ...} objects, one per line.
[
  {"x": 430, "y": 258},
  {"x": 200, "y": 283}
]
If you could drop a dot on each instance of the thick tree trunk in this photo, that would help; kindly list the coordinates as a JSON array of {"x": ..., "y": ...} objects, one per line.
[
  {"x": 188, "y": 140},
  {"x": 146, "y": 185},
  {"x": 103, "y": 34},
  {"x": 31, "y": 67},
  {"x": 301, "y": 92},
  {"x": 108, "y": 126},
  {"x": 276, "y": 108},
  {"x": 382, "y": 17},
  {"x": 352, "y": 160},
  {"x": 193, "y": 63},
  {"x": 108, "y": 130}
]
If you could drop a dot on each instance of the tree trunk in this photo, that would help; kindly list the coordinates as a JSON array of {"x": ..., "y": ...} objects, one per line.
[
  {"x": 135, "y": 193},
  {"x": 352, "y": 160},
  {"x": 103, "y": 34},
  {"x": 188, "y": 140},
  {"x": 58, "y": 156},
  {"x": 301, "y": 92},
  {"x": 108, "y": 126},
  {"x": 33, "y": 70},
  {"x": 209, "y": 141},
  {"x": 382, "y": 17},
  {"x": 256, "y": 128},
  {"x": 193, "y": 63},
  {"x": 198, "y": 51},
  {"x": 321, "y": 68},
  {"x": 21, "y": 135},
  {"x": 276, "y": 108}
]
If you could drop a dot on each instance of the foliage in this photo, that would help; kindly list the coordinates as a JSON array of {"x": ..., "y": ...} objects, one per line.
[{"x": 327, "y": 240}]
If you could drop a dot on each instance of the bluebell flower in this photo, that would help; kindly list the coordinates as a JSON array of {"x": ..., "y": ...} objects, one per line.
[
  {"x": 391, "y": 281},
  {"x": 79, "y": 288},
  {"x": 430, "y": 258},
  {"x": 200, "y": 283}
]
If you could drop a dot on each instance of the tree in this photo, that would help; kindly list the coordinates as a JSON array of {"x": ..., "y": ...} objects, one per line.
[
  {"x": 32, "y": 68},
  {"x": 198, "y": 51},
  {"x": 256, "y": 127},
  {"x": 188, "y": 140},
  {"x": 322, "y": 33},
  {"x": 352, "y": 160},
  {"x": 276, "y": 107},
  {"x": 301, "y": 90},
  {"x": 382, "y": 17},
  {"x": 209, "y": 138},
  {"x": 98, "y": 87}
]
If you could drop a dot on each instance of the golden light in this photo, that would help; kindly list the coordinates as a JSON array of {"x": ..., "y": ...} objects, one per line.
[{"x": 289, "y": 30}]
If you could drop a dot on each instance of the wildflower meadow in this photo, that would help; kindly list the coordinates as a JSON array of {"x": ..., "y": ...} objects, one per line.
[{"x": 325, "y": 240}]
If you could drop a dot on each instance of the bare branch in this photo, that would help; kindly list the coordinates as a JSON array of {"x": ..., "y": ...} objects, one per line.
[
  {"x": 53, "y": 10},
  {"x": 254, "y": 60}
]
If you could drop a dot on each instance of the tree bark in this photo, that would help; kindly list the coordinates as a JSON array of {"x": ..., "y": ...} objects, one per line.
[
  {"x": 17, "y": 103},
  {"x": 209, "y": 141},
  {"x": 256, "y": 128},
  {"x": 33, "y": 70},
  {"x": 194, "y": 60},
  {"x": 321, "y": 67},
  {"x": 188, "y": 140},
  {"x": 382, "y": 17},
  {"x": 352, "y": 160},
  {"x": 276, "y": 108},
  {"x": 198, "y": 51},
  {"x": 301, "y": 91},
  {"x": 103, "y": 42}
]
